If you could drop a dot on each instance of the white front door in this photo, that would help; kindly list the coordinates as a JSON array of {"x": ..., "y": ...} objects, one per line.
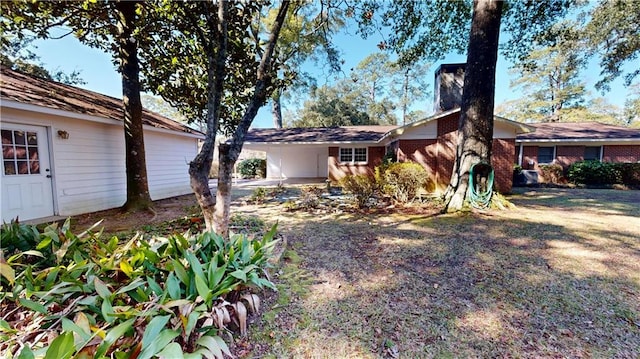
[{"x": 27, "y": 190}]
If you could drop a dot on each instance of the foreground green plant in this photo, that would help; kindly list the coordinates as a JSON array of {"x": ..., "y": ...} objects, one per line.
[
  {"x": 86, "y": 297},
  {"x": 403, "y": 180},
  {"x": 363, "y": 187}
]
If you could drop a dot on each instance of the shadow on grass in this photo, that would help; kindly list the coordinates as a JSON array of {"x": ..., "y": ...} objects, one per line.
[
  {"x": 458, "y": 286},
  {"x": 594, "y": 200}
]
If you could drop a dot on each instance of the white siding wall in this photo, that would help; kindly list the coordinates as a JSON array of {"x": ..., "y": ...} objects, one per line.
[
  {"x": 88, "y": 168},
  {"x": 503, "y": 130},
  {"x": 426, "y": 131},
  {"x": 168, "y": 158},
  {"x": 298, "y": 161}
]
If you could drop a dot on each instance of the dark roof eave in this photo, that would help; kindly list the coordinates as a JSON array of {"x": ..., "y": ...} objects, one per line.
[
  {"x": 609, "y": 139},
  {"x": 271, "y": 143},
  {"x": 39, "y": 93}
]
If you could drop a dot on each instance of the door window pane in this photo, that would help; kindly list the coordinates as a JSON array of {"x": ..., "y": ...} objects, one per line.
[
  {"x": 33, "y": 153},
  {"x": 6, "y": 137},
  {"x": 23, "y": 167},
  {"x": 19, "y": 137},
  {"x": 7, "y": 152},
  {"x": 20, "y": 152},
  {"x": 34, "y": 168},
  {"x": 9, "y": 167},
  {"x": 32, "y": 138}
]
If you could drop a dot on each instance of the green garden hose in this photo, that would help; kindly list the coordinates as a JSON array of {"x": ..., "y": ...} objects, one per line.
[{"x": 480, "y": 200}]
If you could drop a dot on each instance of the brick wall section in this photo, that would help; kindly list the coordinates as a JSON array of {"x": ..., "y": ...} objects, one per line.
[
  {"x": 423, "y": 152},
  {"x": 436, "y": 155},
  {"x": 529, "y": 154},
  {"x": 446, "y": 149},
  {"x": 624, "y": 153},
  {"x": 448, "y": 124},
  {"x": 338, "y": 170},
  {"x": 446, "y": 158},
  {"x": 502, "y": 160},
  {"x": 439, "y": 155},
  {"x": 566, "y": 155}
]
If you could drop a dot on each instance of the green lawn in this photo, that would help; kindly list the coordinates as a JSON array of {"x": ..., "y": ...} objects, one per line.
[{"x": 559, "y": 276}]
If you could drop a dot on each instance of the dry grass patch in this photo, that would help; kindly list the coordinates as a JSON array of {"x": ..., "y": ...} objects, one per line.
[{"x": 557, "y": 277}]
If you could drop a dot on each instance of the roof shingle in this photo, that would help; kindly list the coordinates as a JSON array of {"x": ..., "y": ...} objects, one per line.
[
  {"x": 32, "y": 90},
  {"x": 578, "y": 131},
  {"x": 317, "y": 135}
]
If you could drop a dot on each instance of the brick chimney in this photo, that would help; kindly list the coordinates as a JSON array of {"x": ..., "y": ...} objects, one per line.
[{"x": 448, "y": 87}]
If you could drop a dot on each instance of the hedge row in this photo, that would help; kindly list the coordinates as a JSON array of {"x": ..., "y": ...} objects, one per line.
[{"x": 604, "y": 173}]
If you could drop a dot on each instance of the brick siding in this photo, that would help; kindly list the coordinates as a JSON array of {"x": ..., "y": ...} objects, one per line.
[
  {"x": 624, "y": 153},
  {"x": 437, "y": 156},
  {"x": 446, "y": 158},
  {"x": 339, "y": 170},
  {"x": 502, "y": 160},
  {"x": 448, "y": 124},
  {"x": 529, "y": 157},
  {"x": 423, "y": 152},
  {"x": 566, "y": 155}
]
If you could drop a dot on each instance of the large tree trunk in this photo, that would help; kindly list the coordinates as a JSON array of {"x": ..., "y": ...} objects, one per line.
[
  {"x": 276, "y": 108},
  {"x": 475, "y": 128},
  {"x": 138, "y": 197},
  {"x": 200, "y": 167},
  {"x": 229, "y": 152},
  {"x": 228, "y": 155}
]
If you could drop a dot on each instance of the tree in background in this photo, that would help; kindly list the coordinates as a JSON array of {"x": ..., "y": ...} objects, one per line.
[
  {"x": 114, "y": 27},
  {"x": 632, "y": 107},
  {"x": 551, "y": 74},
  {"x": 372, "y": 80},
  {"x": 16, "y": 55},
  {"x": 413, "y": 86},
  {"x": 327, "y": 107},
  {"x": 306, "y": 36},
  {"x": 613, "y": 35},
  {"x": 549, "y": 77},
  {"x": 159, "y": 105},
  {"x": 372, "y": 94}
]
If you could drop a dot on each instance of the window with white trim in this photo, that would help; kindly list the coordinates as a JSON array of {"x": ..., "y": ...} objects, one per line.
[
  {"x": 592, "y": 153},
  {"x": 546, "y": 154},
  {"x": 20, "y": 153},
  {"x": 353, "y": 155}
]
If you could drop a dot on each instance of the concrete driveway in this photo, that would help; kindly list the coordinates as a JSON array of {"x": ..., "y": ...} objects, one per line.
[{"x": 270, "y": 182}]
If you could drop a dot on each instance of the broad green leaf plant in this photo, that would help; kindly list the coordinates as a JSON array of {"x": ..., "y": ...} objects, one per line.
[{"x": 83, "y": 296}]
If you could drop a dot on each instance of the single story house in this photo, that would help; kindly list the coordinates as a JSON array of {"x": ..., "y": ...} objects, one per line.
[
  {"x": 569, "y": 142},
  {"x": 64, "y": 154},
  {"x": 336, "y": 152}
]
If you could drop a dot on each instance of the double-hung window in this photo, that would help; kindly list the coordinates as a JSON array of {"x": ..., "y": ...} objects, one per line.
[
  {"x": 546, "y": 155},
  {"x": 592, "y": 153},
  {"x": 353, "y": 155}
]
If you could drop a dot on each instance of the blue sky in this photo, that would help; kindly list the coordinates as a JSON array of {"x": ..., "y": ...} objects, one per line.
[{"x": 96, "y": 68}]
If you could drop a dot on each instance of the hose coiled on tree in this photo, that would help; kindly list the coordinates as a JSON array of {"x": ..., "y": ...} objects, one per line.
[{"x": 480, "y": 200}]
